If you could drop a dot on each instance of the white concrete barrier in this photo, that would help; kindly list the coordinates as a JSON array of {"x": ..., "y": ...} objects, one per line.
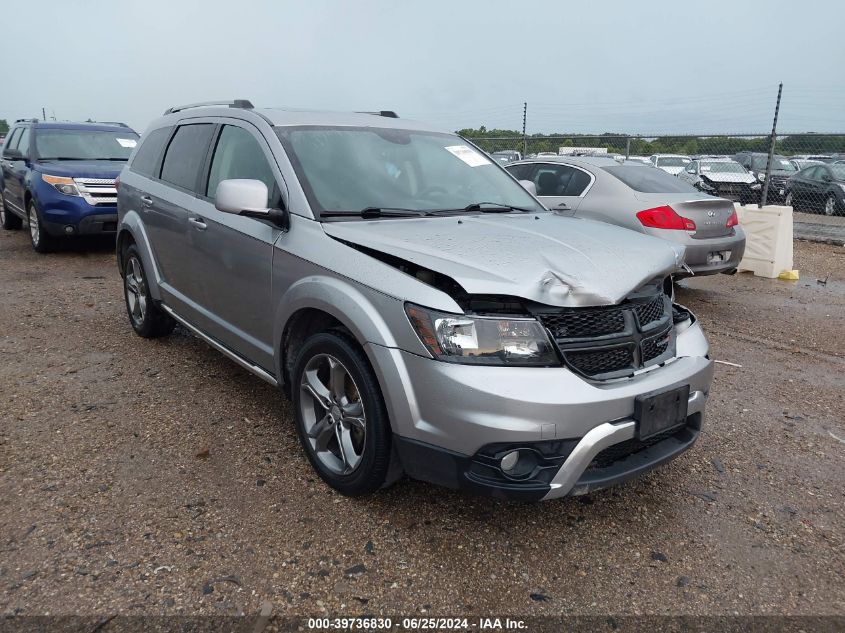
[{"x": 768, "y": 233}]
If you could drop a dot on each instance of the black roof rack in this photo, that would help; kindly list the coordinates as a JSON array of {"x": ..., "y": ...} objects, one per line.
[
  {"x": 24, "y": 120},
  {"x": 235, "y": 103},
  {"x": 390, "y": 114},
  {"x": 117, "y": 123}
]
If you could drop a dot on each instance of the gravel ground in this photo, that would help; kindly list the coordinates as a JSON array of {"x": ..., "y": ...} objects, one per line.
[{"x": 159, "y": 478}]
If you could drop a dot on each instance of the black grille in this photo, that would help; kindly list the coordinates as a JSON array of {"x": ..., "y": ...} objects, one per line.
[
  {"x": 584, "y": 323},
  {"x": 648, "y": 313},
  {"x": 611, "y": 342},
  {"x": 603, "y": 361},
  {"x": 623, "y": 449},
  {"x": 655, "y": 346}
]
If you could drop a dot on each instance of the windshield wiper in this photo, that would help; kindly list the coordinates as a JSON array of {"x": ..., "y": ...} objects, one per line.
[
  {"x": 376, "y": 212},
  {"x": 122, "y": 160},
  {"x": 484, "y": 207},
  {"x": 61, "y": 158}
]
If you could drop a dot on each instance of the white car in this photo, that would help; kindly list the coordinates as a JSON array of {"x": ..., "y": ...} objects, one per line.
[{"x": 670, "y": 163}]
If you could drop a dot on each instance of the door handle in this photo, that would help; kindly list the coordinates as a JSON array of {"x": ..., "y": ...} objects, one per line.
[
  {"x": 562, "y": 206},
  {"x": 198, "y": 223},
  {"x": 146, "y": 201}
]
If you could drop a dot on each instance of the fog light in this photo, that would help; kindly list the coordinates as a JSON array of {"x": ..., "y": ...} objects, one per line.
[
  {"x": 69, "y": 230},
  {"x": 509, "y": 461}
]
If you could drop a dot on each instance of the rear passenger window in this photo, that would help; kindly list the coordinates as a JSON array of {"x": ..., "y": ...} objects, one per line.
[
  {"x": 521, "y": 172},
  {"x": 12, "y": 140},
  {"x": 186, "y": 154},
  {"x": 560, "y": 180},
  {"x": 238, "y": 155},
  {"x": 152, "y": 145}
]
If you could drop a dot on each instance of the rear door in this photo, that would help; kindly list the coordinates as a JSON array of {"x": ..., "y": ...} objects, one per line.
[
  {"x": 561, "y": 187},
  {"x": 801, "y": 184},
  {"x": 167, "y": 205},
  {"x": 233, "y": 255},
  {"x": 14, "y": 171}
]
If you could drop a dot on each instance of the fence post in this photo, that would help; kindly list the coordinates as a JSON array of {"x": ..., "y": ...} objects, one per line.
[
  {"x": 524, "y": 138},
  {"x": 627, "y": 147},
  {"x": 765, "y": 193}
]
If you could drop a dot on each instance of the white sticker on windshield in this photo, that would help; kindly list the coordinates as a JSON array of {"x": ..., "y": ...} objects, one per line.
[
  {"x": 127, "y": 142},
  {"x": 468, "y": 155},
  {"x": 706, "y": 168}
]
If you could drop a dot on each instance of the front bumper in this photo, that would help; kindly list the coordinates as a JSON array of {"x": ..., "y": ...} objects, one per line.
[
  {"x": 451, "y": 420},
  {"x": 698, "y": 253},
  {"x": 64, "y": 215}
]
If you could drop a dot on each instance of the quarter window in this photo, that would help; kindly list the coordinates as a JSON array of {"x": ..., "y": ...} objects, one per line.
[
  {"x": 152, "y": 145},
  {"x": 186, "y": 154},
  {"x": 239, "y": 155}
]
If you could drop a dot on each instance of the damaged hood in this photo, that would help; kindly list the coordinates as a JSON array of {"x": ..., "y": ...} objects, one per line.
[
  {"x": 545, "y": 258},
  {"x": 721, "y": 176}
]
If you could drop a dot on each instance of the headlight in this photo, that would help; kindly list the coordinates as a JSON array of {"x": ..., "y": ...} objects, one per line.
[
  {"x": 761, "y": 176},
  {"x": 478, "y": 340},
  {"x": 61, "y": 184},
  {"x": 842, "y": 187}
]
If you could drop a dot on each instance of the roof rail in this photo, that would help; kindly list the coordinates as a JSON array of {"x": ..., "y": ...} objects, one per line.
[
  {"x": 117, "y": 123},
  {"x": 235, "y": 103},
  {"x": 22, "y": 120},
  {"x": 390, "y": 114}
]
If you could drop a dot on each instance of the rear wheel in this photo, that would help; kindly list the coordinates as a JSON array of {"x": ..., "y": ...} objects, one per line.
[
  {"x": 340, "y": 414},
  {"x": 790, "y": 200},
  {"x": 41, "y": 240},
  {"x": 147, "y": 319},
  {"x": 9, "y": 220}
]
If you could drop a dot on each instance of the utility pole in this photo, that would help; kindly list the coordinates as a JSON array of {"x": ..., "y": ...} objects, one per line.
[
  {"x": 524, "y": 138},
  {"x": 765, "y": 194},
  {"x": 43, "y": 114}
]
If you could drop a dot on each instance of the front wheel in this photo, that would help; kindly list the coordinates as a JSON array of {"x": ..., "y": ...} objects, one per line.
[
  {"x": 9, "y": 220},
  {"x": 41, "y": 240},
  {"x": 790, "y": 200},
  {"x": 341, "y": 419},
  {"x": 147, "y": 319},
  {"x": 830, "y": 205}
]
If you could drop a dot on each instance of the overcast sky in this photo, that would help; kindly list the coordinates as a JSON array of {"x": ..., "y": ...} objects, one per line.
[{"x": 582, "y": 66}]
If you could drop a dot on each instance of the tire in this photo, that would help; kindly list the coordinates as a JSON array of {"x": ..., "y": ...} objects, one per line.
[
  {"x": 789, "y": 201},
  {"x": 41, "y": 240},
  {"x": 830, "y": 204},
  {"x": 146, "y": 318},
  {"x": 362, "y": 466},
  {"x": 9, "y": 220}
]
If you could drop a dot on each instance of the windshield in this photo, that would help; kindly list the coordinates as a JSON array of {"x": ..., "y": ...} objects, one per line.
[
  {"x": 672, "y": 161},
  {"x": 85, "y": 144},
  {"x": 779, "y": 163},
  {"x": 650, "y": 180},
  {"x": 723, "y": 168},
  {"x": 838, "y": 171},
  {"x": 347, "y": 169}
]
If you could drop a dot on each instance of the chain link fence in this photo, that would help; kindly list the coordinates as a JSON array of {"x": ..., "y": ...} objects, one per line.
[{"x": 805, "y": 170}]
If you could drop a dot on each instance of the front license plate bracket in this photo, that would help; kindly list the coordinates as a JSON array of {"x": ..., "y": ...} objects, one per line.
[{"x": 659, "y": 411}]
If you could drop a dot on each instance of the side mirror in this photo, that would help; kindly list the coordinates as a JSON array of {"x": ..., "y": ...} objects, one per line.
[
  {"x": 243, "y": 196},
  {"x": 13, "y": 154},
  {"x": 529, "y": 186}
]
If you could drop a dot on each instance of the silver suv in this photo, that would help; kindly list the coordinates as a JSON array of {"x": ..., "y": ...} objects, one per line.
[{"x": 424, "y": 312}]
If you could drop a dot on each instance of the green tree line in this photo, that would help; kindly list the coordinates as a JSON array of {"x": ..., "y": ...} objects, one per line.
[{"x": 496, "y": 139}]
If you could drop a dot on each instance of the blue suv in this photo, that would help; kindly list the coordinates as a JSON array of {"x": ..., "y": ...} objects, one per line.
[{"x": 60, "y": 178}]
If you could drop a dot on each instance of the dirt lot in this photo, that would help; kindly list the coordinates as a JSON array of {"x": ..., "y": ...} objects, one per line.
[{"x": 158, "y": 477}]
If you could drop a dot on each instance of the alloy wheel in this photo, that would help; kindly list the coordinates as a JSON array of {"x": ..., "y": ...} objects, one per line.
[
  {"x": 34, "y": 228},
  {"x": 332, "y": 414},
  {"x": 2, "y": 209},
  {"x": 788, "y": 201},
  {"x": 135, "y": 288}
]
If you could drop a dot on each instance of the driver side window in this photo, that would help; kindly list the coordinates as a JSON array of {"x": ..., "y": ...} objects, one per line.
[{"x": 239, "y": 155}]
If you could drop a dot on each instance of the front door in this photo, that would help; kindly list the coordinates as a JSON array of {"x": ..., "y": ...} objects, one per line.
[{"x": 235, "y": 253}]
